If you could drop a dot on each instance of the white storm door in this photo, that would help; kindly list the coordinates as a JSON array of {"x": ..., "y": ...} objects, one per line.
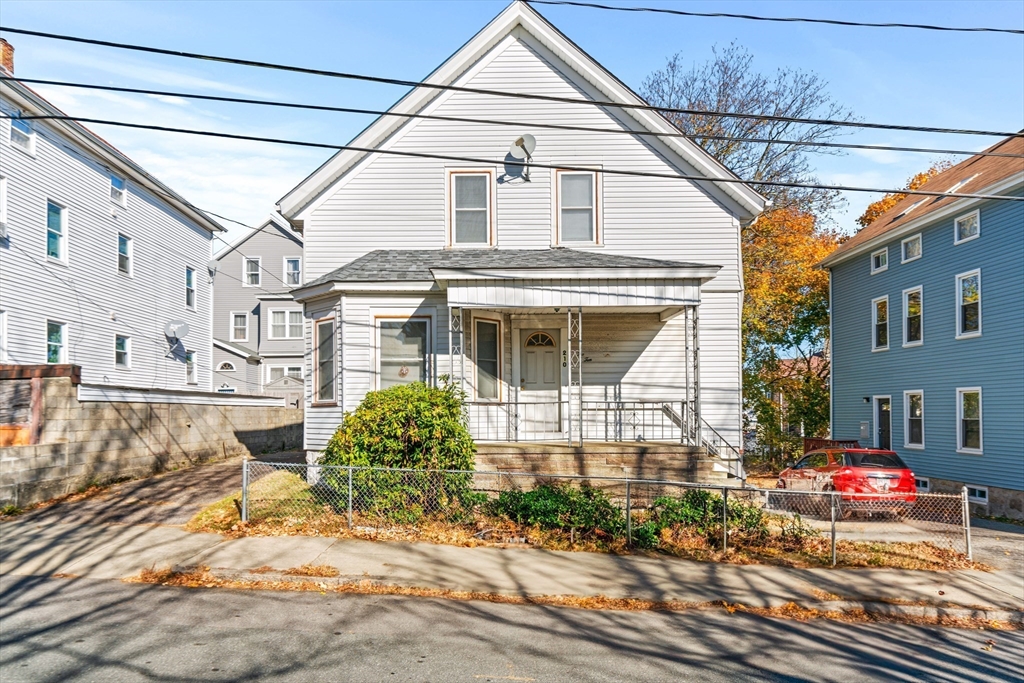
[{"x": 540, "y": 383}]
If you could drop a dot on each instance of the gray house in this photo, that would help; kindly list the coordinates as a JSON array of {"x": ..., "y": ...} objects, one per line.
[
  {"x": 257, "y": 327},
  {"x": 928, "y": 333},
  {"x": 98, "y": 259}
]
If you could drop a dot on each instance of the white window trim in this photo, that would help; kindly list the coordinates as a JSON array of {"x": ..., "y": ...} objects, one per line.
[
  {"x": 128, "y": 352},
  {"x": 31, "y": 151},
  {"x": 884, "y": 268},
  {"x": 496, "y": 320},
  {"x": 906, "y": 419},
  {"x": 287, "y": 325},
  {"x": 124, "y": 193},
  {"x": 245, "y": 270},
  {"x": 63, "y": 342},
  {"x": 492, "y": 237},
  {"x": 903, "y": 248},
  {"x": 302, "y": 371},
  {"x": 231, "y": 326},
  {"x": 923, "y": 484},
  {"x": 598, "y": 208},
  {"x": 429, "y": 351},
  {"x": 64, "y": 258},
  {"x": 315, "y": 399},
  {"x": 956, "y": 232},
  {"x": 284, "y": 270},
  {"x": 221, "y": 368},
  {"x": 131, "y": 255},
  {"x": 195, "y": 291},
  {"x": 876, "y": 409},
  {"x": 960, "y": 391},
  {"x": 195, "y": 367},
  {"x": 974, "y": 499},
  {"x": 960, "y": 310},
  {"x": 874, "y": 321},
  {"x": 906, "y": 294}
]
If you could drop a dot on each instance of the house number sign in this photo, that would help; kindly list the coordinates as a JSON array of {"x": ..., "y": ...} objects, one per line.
[{"x": 564, "y": 359}]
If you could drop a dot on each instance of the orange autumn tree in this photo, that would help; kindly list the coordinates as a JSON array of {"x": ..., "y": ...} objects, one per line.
[{"x": 876, "y": 209}]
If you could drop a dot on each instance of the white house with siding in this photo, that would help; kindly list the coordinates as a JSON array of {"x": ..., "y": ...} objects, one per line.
[
  {"x": 96, "y": 255},
  {"x": 571, "y": 302}
]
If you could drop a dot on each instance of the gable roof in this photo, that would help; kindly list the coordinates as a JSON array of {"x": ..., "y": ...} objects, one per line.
[
  {"x": 416, "y": 265},
  {"x": 979, "y": 172},
  {"x": 27, "y": 99},
  {"x": 274, "y": 219},
  {"x": 519, "y": 15}
]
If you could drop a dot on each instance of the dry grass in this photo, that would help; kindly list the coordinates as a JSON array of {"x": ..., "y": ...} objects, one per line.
[
  {"x": 201, "y": 577},
  {"x": 299, "y": 513}
]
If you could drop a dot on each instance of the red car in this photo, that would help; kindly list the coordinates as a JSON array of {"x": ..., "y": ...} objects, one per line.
[{"x": 868, "y": 479}]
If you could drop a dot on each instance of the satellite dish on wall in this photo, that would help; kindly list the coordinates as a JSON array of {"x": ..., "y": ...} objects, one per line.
[
  {"x": 522, "y": 148},
  {"x": 176, "y": 329}
]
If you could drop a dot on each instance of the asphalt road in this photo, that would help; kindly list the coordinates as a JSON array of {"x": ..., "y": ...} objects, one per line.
[{"x": 61, "y": 629}]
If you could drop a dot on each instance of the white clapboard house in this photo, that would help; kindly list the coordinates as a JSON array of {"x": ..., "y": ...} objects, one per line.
[{"x": 572, "y": 303}]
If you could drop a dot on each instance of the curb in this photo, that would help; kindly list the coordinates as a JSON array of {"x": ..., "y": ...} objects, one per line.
[{"x": 875, "y": 607}]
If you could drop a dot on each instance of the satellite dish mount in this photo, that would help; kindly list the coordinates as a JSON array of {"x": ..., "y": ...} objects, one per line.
[{"x": 522, "y": 148}]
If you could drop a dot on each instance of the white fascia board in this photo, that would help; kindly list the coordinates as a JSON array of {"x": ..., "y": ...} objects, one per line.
[
  {"x": 454, "y": 274},
  {"x": 1004, "y": 186},
  {"x": 329, "y": 288},
  {"x": 26, "y": 99},
  {"x": 294, "y": 204},
  {"x": 237, "y": 350}
]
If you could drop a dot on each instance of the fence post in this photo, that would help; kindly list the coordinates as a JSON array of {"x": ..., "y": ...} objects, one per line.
[
  {"x": 725, "y": 519},
  {"x": 350, "y": 497},
  {"x": 629, "y": 515},
  {"x": 245, "y": 489},
  {"x": 832, "y": 496},
  {"x": 967, "y": 521}
]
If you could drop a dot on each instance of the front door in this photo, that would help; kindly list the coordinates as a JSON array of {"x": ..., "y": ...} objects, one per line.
[
  {"x": 540, "y": 384},
  {"x": 883, "y": 418}
]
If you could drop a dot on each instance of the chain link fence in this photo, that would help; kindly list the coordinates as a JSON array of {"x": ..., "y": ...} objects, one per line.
[{"x": 616, "y": 512}]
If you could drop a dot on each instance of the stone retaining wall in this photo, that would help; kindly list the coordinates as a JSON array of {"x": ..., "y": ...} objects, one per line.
[{"x": 75, "y": 443}]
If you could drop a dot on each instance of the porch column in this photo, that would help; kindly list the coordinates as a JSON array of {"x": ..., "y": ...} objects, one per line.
[
  {"x": 698, "y": 422},
  {"x": 575, "y": 398},
  {"x": 456, "y": 345}
]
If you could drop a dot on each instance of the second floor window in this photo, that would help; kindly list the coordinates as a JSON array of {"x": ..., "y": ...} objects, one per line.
[
  {"x": 968, "y": 310},
  {"x": 880, "y": 260},
  {"x": 190, "y": 289},
  {"x": 117, "y": 190},
  {"x": 22, "y": 135},
  {"x": 56, "y": 231},
  {"x": 913, "y": 312},
  {"x": 124, "y": 255},
  {"x": 577, "y": 210},
  {"x": 293, "y": 271},
  {"x": 967, "y": 227},
  {"x": 122, "y": 348},
  {"x": 251, "y": 276},
  {"x": 471, "y": 209},
  {"x": 240, "y": 327},
  {"x": 286, "y": 324},
  {"x": 880, "y": 310},
  {"x": 911, "y": 248}
]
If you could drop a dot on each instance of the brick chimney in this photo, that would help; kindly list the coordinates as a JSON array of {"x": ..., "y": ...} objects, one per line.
[{"x": 6, "y": 57}]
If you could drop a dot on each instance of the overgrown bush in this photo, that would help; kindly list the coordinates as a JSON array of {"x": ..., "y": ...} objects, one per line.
[
  {"x": 698, "y": 512},
  {"x": 412, "y": 426},
  {"x": 582, "y": 510}
]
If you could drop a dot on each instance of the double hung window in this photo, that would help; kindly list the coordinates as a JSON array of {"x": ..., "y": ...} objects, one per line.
[
  {"x": 56, "y": 351},
  {"x": 117, "y": 190},
  {"x": 286, "y": 324},
  {"x": 880, "y": 316},
  {"x": 190, "y": 289},
  {"x": 251, "y": 276},
  {"x": 404, "y": 351},
  {"x": 124, "y": 255},
  {"x": 56, "y": 231},
  {"x": 913, "y": 317},
  {"x": 323, "y": 352},
  {"x": 22, "y": 135},
  {"x": 293, "y": 271},
  {"x": 471, "y": 208},
  {"x": 240, "y": 326},
  {"x": 122, "y": 350},
  {"x": 913, "y": 427},
  {"x": 577, "y": 206},
  {"x": 968, "y": 408},
  {"x": 968, "y": 308}
]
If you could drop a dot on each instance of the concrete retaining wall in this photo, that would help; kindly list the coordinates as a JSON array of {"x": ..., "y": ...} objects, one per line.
[{"x": 78, "y": 443}]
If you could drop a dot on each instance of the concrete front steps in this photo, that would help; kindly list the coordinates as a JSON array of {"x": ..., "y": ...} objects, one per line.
[{"x": 635, "y": 460}]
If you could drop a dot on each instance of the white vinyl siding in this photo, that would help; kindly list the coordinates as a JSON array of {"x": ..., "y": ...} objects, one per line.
[
  {"x": 968, "y": 304},
  {"x": 969, "y": 421},
  {"x": 913, "y": 316},
  {"x": 3, "y": 206},
  {"x": 285, "y": 324},
  {"x": 880, "y": 324}
]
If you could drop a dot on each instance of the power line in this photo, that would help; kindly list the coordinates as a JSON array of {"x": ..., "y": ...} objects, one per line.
[
  {"x": 754, "y": 17},
  {"x": 501, "y": 93},
  {"x": 478, "y": 160},
  {"x": 473, "y": 120}
]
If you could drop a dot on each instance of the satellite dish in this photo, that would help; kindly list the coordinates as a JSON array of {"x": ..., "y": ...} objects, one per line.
[
  {"x": 523, "y": 146},
  {"x": 176, "y": 329}
]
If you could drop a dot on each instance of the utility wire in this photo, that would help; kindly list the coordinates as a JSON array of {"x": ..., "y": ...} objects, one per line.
[
  {"x": 501, "y": 93},
  {"x": 478, "y": 160},
  {"x": 754, "y": 17},
  {"x": 518, "y": 124}
]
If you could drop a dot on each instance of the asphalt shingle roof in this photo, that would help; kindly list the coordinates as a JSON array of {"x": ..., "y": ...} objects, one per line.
[{"x": 415, "y": 264}]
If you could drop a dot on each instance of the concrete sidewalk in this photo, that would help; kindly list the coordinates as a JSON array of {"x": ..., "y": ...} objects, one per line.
[{"x": 113, "y": 551}]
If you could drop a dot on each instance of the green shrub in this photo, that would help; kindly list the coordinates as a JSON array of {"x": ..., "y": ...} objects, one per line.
[
  {"x": 699, "y": 511},
  {"x": 412, "y": 426},
  {"x": 558, "y": 506}
]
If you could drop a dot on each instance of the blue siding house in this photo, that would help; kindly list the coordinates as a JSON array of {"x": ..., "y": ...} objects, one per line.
[{"x": 928, "y": 333}]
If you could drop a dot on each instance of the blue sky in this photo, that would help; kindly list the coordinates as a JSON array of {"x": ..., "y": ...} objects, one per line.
[{"x": 884, "y": 75}]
